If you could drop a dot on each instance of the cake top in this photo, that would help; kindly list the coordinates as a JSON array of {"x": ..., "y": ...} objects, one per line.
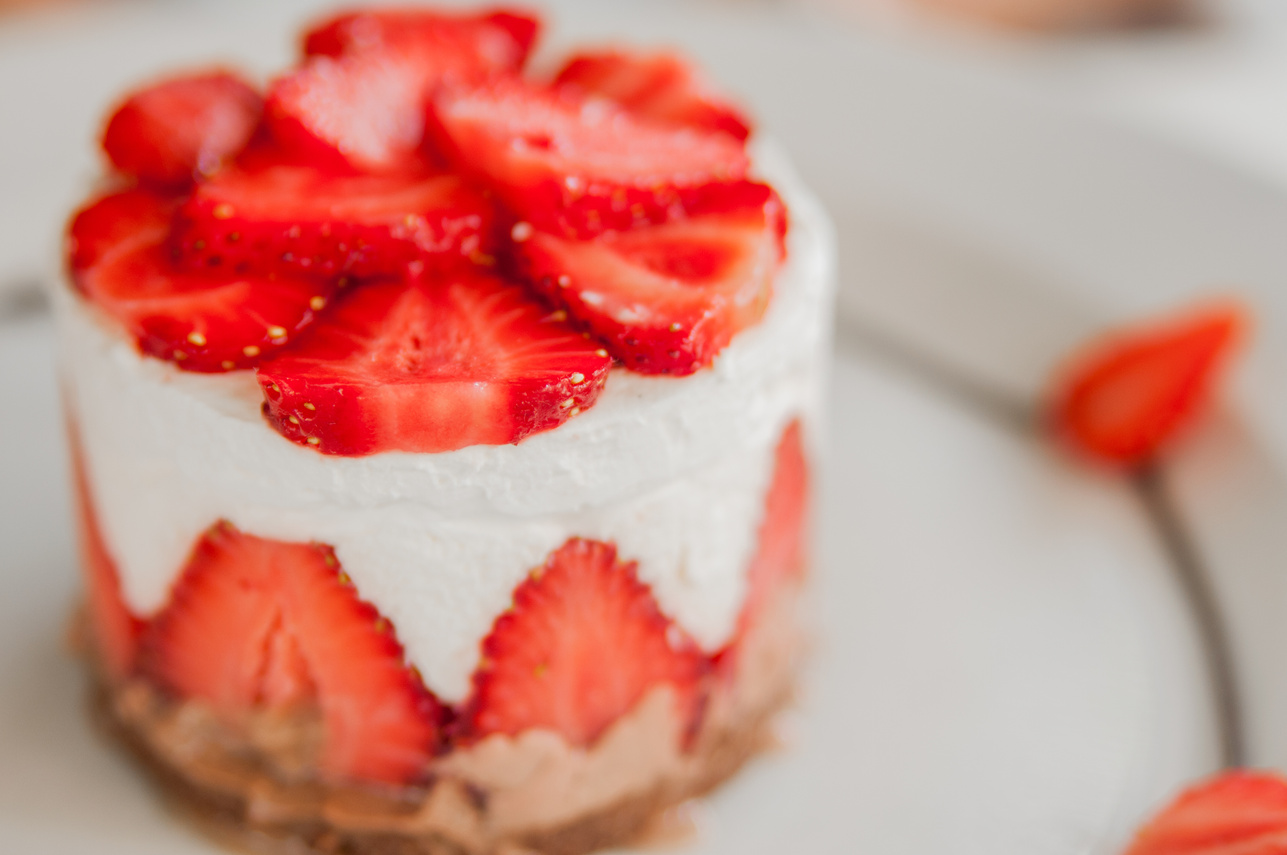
[{"x": 417, "y": 246}]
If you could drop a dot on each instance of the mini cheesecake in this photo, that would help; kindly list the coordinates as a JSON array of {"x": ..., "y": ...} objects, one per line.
[{"x": 441, "y": 437}]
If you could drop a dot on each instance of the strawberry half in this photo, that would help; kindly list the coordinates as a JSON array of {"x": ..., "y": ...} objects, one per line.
[
  {"x": 583, "y": 167},
  {"x": 1126, "y": 397},
  {"x": 666, "y": 299},
  {"x": 581, "y": 646},
  {"x": 660, "y": 87},
  {"x": 358, "y": 100},
  {"x": 183, "y": 128},
  {"x": 1236, "y": 813},
  {"x": 114, "y": 627},
  {"x": 431, "y": 365},
  {"x": 492, "y": 42},
  {"x": 284, "y": 218},
  {"x": 255, "y": 624},
  {"x": 203, "y": 322}
]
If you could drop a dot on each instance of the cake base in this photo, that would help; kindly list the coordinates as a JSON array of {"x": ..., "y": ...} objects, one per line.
[{"x": 468, "y": 807}]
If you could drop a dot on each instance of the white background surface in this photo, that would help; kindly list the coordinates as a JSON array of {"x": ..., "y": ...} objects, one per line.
[{"x": 1006, "y": 664}]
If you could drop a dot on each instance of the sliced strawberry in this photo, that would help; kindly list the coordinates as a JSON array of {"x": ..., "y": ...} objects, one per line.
[
  {"x": 358, "y": 111},
  {"x": 359, "y": 99},
  {"x": 661, "y": 87},
  {"x": 255, "y": 624},
  {"x": 283, "y": 218},
  {"x": 581, "y": 646},
  {"x": 421, "y": 365},
  {"x": 1235, "y": 813},
  {"x": 781, "y": 550},
  {"x": 203, "y": 322},
  {"x": 666, "y": 299},
  {"x": 114, "y": 627},
  {"x": 492, "y": 42},
  {"x": 583, "y": 166},
  {"x": 183, "y": 128},
  {"x": 1123, "y": 399}
]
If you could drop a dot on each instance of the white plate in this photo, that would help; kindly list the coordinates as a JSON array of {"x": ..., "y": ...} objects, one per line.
[{"x": 1007, "y": 663}]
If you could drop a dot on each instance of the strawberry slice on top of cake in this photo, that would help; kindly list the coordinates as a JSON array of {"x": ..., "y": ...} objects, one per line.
[{"x": 441, "y": 434}]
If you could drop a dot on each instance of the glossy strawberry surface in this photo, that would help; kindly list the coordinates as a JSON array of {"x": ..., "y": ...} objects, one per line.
[
  {"x": 582, "y": 167},
  {"x": 432, "y": 365},
  {"x": 202, "y": 321},
  {"x": 1125, "y": 397},
  {"x": 294, "y": 219},
  {"x": 665, "y": 299},
  {"x": 183, "y": 128}
]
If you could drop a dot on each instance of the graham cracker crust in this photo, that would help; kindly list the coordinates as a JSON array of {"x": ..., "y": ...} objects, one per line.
[{"x": 226, "y": 798}]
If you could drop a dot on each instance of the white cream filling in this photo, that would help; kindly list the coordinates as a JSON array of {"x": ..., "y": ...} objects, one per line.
[{"x": 672, "y": 470}]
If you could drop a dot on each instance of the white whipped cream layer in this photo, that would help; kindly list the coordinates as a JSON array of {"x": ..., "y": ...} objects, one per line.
[{"x": 673, "y": 470}]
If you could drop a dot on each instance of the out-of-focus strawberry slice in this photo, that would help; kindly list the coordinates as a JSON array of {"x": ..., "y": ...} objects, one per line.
[
  {"x": 497, "y": 41},
  {"x": 358, "y": 100},
  {"x": 359, "y": 111},
  {"x": 661, "y": 87},
  {"x": 284, "y": 218},
  {"x": 1241, "y": 812},
  {"x": 121, "y": 261},
  {"x": 183, "y": 128},
  {"x": 431, "y": 365},
  {"x": 583, "y": 167},
  {"x": 581, "y": 646},
  {"x": 666, "y": 299},
  {"x": 1127, "y": 396},
  {"x": 115, "y": 628},
  {"x": 256, "y": 624}
]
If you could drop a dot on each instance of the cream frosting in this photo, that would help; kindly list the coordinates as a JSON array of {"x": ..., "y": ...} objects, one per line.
[{"x": 673, "y": 470}]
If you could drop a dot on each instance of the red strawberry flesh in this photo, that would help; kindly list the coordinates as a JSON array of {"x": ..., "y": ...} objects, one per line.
[
  {"x": 492, "y": 42},
  {"x": 114, "y": 627},
  {"x": 660, "y": 87},
  {"x": 666, "y": 299},
  {"x": 582, "y": 167},
  {"x": 1123, "y": 399},
  {"x": 202, "y": 322},
  {"x": 581, "y": 646},
  {"x": 256, "y": 624},
  {"x": 183, "y": 128},
  {"x": 781, "y": 548},
  {"x": 287, "y": 218},
  {"x": 358, "y": 100},
  {"x": 431, "y": 365},
  {"x": 1242, "y": 812}
]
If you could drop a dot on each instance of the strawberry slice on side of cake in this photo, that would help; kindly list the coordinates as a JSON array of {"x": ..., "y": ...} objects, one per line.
[
  {"x": 263, "y": 625},
  {"x": 582, "y": 644}
]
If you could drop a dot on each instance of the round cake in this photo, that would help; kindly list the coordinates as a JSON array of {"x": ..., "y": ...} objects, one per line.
[{"x": 441, "y": 438}]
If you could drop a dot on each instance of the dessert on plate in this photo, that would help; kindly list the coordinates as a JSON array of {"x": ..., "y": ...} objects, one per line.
[{"x": 441, "y": 435}]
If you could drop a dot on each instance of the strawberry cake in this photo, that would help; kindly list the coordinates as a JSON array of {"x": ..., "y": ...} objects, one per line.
[{"x": 440, "y": 433}]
